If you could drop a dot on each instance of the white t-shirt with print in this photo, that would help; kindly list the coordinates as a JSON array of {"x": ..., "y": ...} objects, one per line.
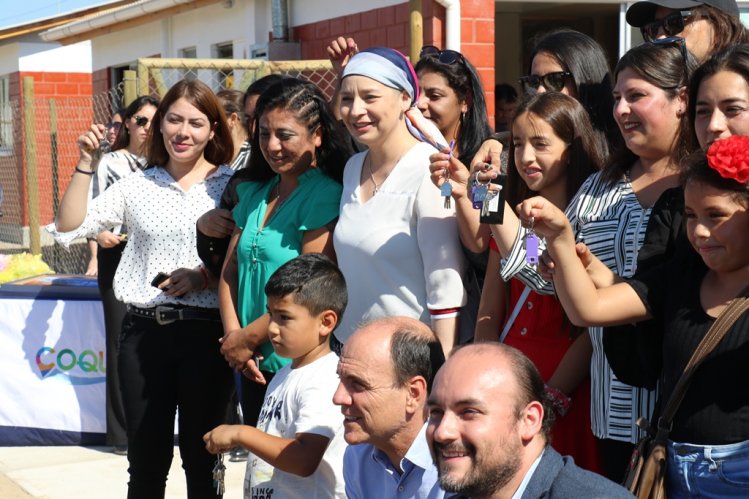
[{"x": 301, "y": 401}]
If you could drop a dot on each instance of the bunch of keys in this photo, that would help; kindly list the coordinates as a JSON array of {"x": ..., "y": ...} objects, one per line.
[
  {"x": 531, "y": 245},
  {"x": 104, "y": 147},
  {"x": 219, "y": 470},
  {"x": 446, "y": 190},
  {"x": 479, "y": 192}
]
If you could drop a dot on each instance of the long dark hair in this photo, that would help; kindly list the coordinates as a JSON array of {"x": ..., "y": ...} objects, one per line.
[
  {"x": 663, "y": 66},
  {"x": 220, "y": 149},
  {"x": 464, "y": 80},
  {"x": 734, "y": 59},
  {"x": 583, "y": 57},
  {"x": 311, "y": 109},
  {"x": 569, "y": 120},
  {"x": 728, "y": 30},
  {"x": 122, "y": 141}
]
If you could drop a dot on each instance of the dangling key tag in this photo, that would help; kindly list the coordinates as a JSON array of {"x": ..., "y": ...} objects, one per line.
[
  {"x": 531, "y": 245},
  {"x": 446, "y": 191}
]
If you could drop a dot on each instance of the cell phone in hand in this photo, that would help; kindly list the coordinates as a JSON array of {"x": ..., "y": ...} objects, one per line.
[{"x": 160, "y": 277}]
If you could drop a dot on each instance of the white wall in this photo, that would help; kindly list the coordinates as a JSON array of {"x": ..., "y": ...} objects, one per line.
[
  {"x": 244, "y": 24},
  {"x": 9, "y": 58},
  {"x": 75, "y": 58}
]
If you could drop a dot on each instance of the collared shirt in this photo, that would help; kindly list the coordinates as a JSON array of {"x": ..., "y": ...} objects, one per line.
[
  {"x": 161, "y": 218},
  {"x": 368, "y": 473},
  {"x": 527, "y": 478}
]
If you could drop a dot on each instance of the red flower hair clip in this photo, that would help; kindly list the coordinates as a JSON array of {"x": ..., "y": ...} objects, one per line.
[{"x": 730, "y": 158}]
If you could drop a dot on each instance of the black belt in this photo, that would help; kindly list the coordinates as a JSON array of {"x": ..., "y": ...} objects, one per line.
[{"x": 166, "y": 315}]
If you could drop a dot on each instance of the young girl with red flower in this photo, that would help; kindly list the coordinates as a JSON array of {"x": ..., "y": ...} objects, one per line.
[{"x": 709, "y": 450}]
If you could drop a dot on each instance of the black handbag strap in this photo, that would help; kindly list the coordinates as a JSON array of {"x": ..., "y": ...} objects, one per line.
[{"x": 715, "y": 334}]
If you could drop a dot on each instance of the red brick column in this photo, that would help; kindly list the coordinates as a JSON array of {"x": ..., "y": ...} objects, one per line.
[{"x": 477, "y": 43}]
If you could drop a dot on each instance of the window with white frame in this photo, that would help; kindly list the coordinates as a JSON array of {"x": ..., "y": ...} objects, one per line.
[
  {"x": 6, "y": 117},
  {"x": 225, "y": 50}
]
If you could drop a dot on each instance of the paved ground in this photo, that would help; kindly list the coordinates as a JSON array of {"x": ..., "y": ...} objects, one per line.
[{"x": 83, "y": 472}]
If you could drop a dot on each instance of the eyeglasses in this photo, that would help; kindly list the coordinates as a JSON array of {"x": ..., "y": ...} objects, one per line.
[
  {"x": 672, "y": 24},
  {"x": 551, "y": 81},
  {"x": 114, "y": 125},
  {"x": 444, "y": 56},
  {"x": 141, "y": 121}
]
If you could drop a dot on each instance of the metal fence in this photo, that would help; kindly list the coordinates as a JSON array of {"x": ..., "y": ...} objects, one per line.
[{"x": 38, "y": 150}]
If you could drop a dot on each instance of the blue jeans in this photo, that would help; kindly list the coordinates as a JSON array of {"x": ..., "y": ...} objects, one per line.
[{"x": 707, "y": 470}]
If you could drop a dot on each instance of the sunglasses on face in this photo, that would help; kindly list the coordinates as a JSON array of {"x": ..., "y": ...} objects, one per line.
[
  {"x": 551, "y": 81},
  {"x": 114, "y": 125},
  {"x": 672, "y": 24},
  {"x": 444, "y": 56},
  {"x": 141, "y": 121}
]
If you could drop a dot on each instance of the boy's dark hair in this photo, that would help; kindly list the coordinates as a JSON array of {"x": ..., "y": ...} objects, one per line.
[{"x": 316, "y": 283}]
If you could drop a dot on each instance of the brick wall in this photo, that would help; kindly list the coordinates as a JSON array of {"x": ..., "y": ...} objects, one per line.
[
  {"x": 71, "y": 94},
  {"x": 389, "y": 27},
  {"x": 101, "y": 81},
  {"x": 385, "y": 27}
]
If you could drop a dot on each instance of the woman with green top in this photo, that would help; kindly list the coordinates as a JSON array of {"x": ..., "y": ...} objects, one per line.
[{"x": 288, "y": 207}]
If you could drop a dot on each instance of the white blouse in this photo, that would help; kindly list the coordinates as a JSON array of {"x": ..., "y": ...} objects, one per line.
[
  {"x": 161, "y": 218},
  {"x": 399, "y": 251}
]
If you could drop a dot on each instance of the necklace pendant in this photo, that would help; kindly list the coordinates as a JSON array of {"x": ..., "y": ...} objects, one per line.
[{"x": 375, "y": 191}]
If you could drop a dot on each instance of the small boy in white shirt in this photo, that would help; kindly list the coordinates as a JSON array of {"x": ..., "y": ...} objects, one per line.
[{"x": 297, "y": 449}]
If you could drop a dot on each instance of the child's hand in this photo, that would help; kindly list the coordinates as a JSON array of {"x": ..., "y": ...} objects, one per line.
[
  {"x": 544, "y": 218},
  {"x": 252, "y": 372},
  {"x": 221, "y": 439}
]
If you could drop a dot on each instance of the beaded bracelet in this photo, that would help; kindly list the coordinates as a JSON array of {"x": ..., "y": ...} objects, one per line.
[
  {"x": 559, "y": 401},
  {"x": 85, "y": 172}
]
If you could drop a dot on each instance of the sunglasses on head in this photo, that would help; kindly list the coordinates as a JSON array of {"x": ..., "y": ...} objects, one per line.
[
  {"x": 672, "y": 24},
  {"x": 444, "y": 56},
  {"x": 141, "y": 120},
  {"x": 679, "y": 42},
  {"x": 551, "y": 81}
]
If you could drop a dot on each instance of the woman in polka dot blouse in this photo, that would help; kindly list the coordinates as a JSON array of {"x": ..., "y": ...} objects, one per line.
[{"x": 169, "y": 355}]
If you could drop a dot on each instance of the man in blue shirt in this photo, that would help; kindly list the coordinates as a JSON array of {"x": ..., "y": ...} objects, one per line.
[
  {"x": 386, "y": 369},
  {"x": 489, "y": 420}
]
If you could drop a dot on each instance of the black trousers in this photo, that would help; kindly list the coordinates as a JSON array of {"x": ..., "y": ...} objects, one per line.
[
  {"x": 114, "y": 313},
  {"x": 163, "y": 368}
]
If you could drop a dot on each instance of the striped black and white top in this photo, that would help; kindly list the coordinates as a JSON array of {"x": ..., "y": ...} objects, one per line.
[
  {"x": 611, "y": 222},
  {"x": 243, "y": 157}
]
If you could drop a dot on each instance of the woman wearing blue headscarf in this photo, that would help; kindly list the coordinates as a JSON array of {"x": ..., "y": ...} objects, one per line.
[{"x": 396, "y": 242}]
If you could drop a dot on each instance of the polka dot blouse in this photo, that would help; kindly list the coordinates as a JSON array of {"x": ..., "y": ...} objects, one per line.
[{"x": 161, "y": 219}]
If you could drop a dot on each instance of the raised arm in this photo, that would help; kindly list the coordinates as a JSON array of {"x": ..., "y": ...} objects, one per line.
[
  {"x": 74, "y": 202},
  {"x": 585, "y": 305},
  {"x": 473, "y": 235}
]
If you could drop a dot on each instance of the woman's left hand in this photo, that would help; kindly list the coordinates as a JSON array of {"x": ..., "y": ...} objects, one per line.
[{"x": 182, "y": 281}]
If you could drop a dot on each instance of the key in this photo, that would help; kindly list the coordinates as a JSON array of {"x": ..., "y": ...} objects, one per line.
[
  {"x": 487, "y": 203},
  {"x": 447, "y": 190},
  {"x": 478, "y": 195},
  {"x": 219, "y": 471}
]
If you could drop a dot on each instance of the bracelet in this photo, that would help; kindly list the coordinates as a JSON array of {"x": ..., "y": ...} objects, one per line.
[
  {"x": 205, "y": 276},
  {"x": 559, "y": 400},
  {"x": 85, "y": 172}
]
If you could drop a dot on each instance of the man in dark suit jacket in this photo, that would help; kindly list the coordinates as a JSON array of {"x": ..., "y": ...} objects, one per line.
[{"x": 489, "y": 419}]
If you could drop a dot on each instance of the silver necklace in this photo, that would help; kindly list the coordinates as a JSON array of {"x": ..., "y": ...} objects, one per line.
[{"x": 371, "y": 176}]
